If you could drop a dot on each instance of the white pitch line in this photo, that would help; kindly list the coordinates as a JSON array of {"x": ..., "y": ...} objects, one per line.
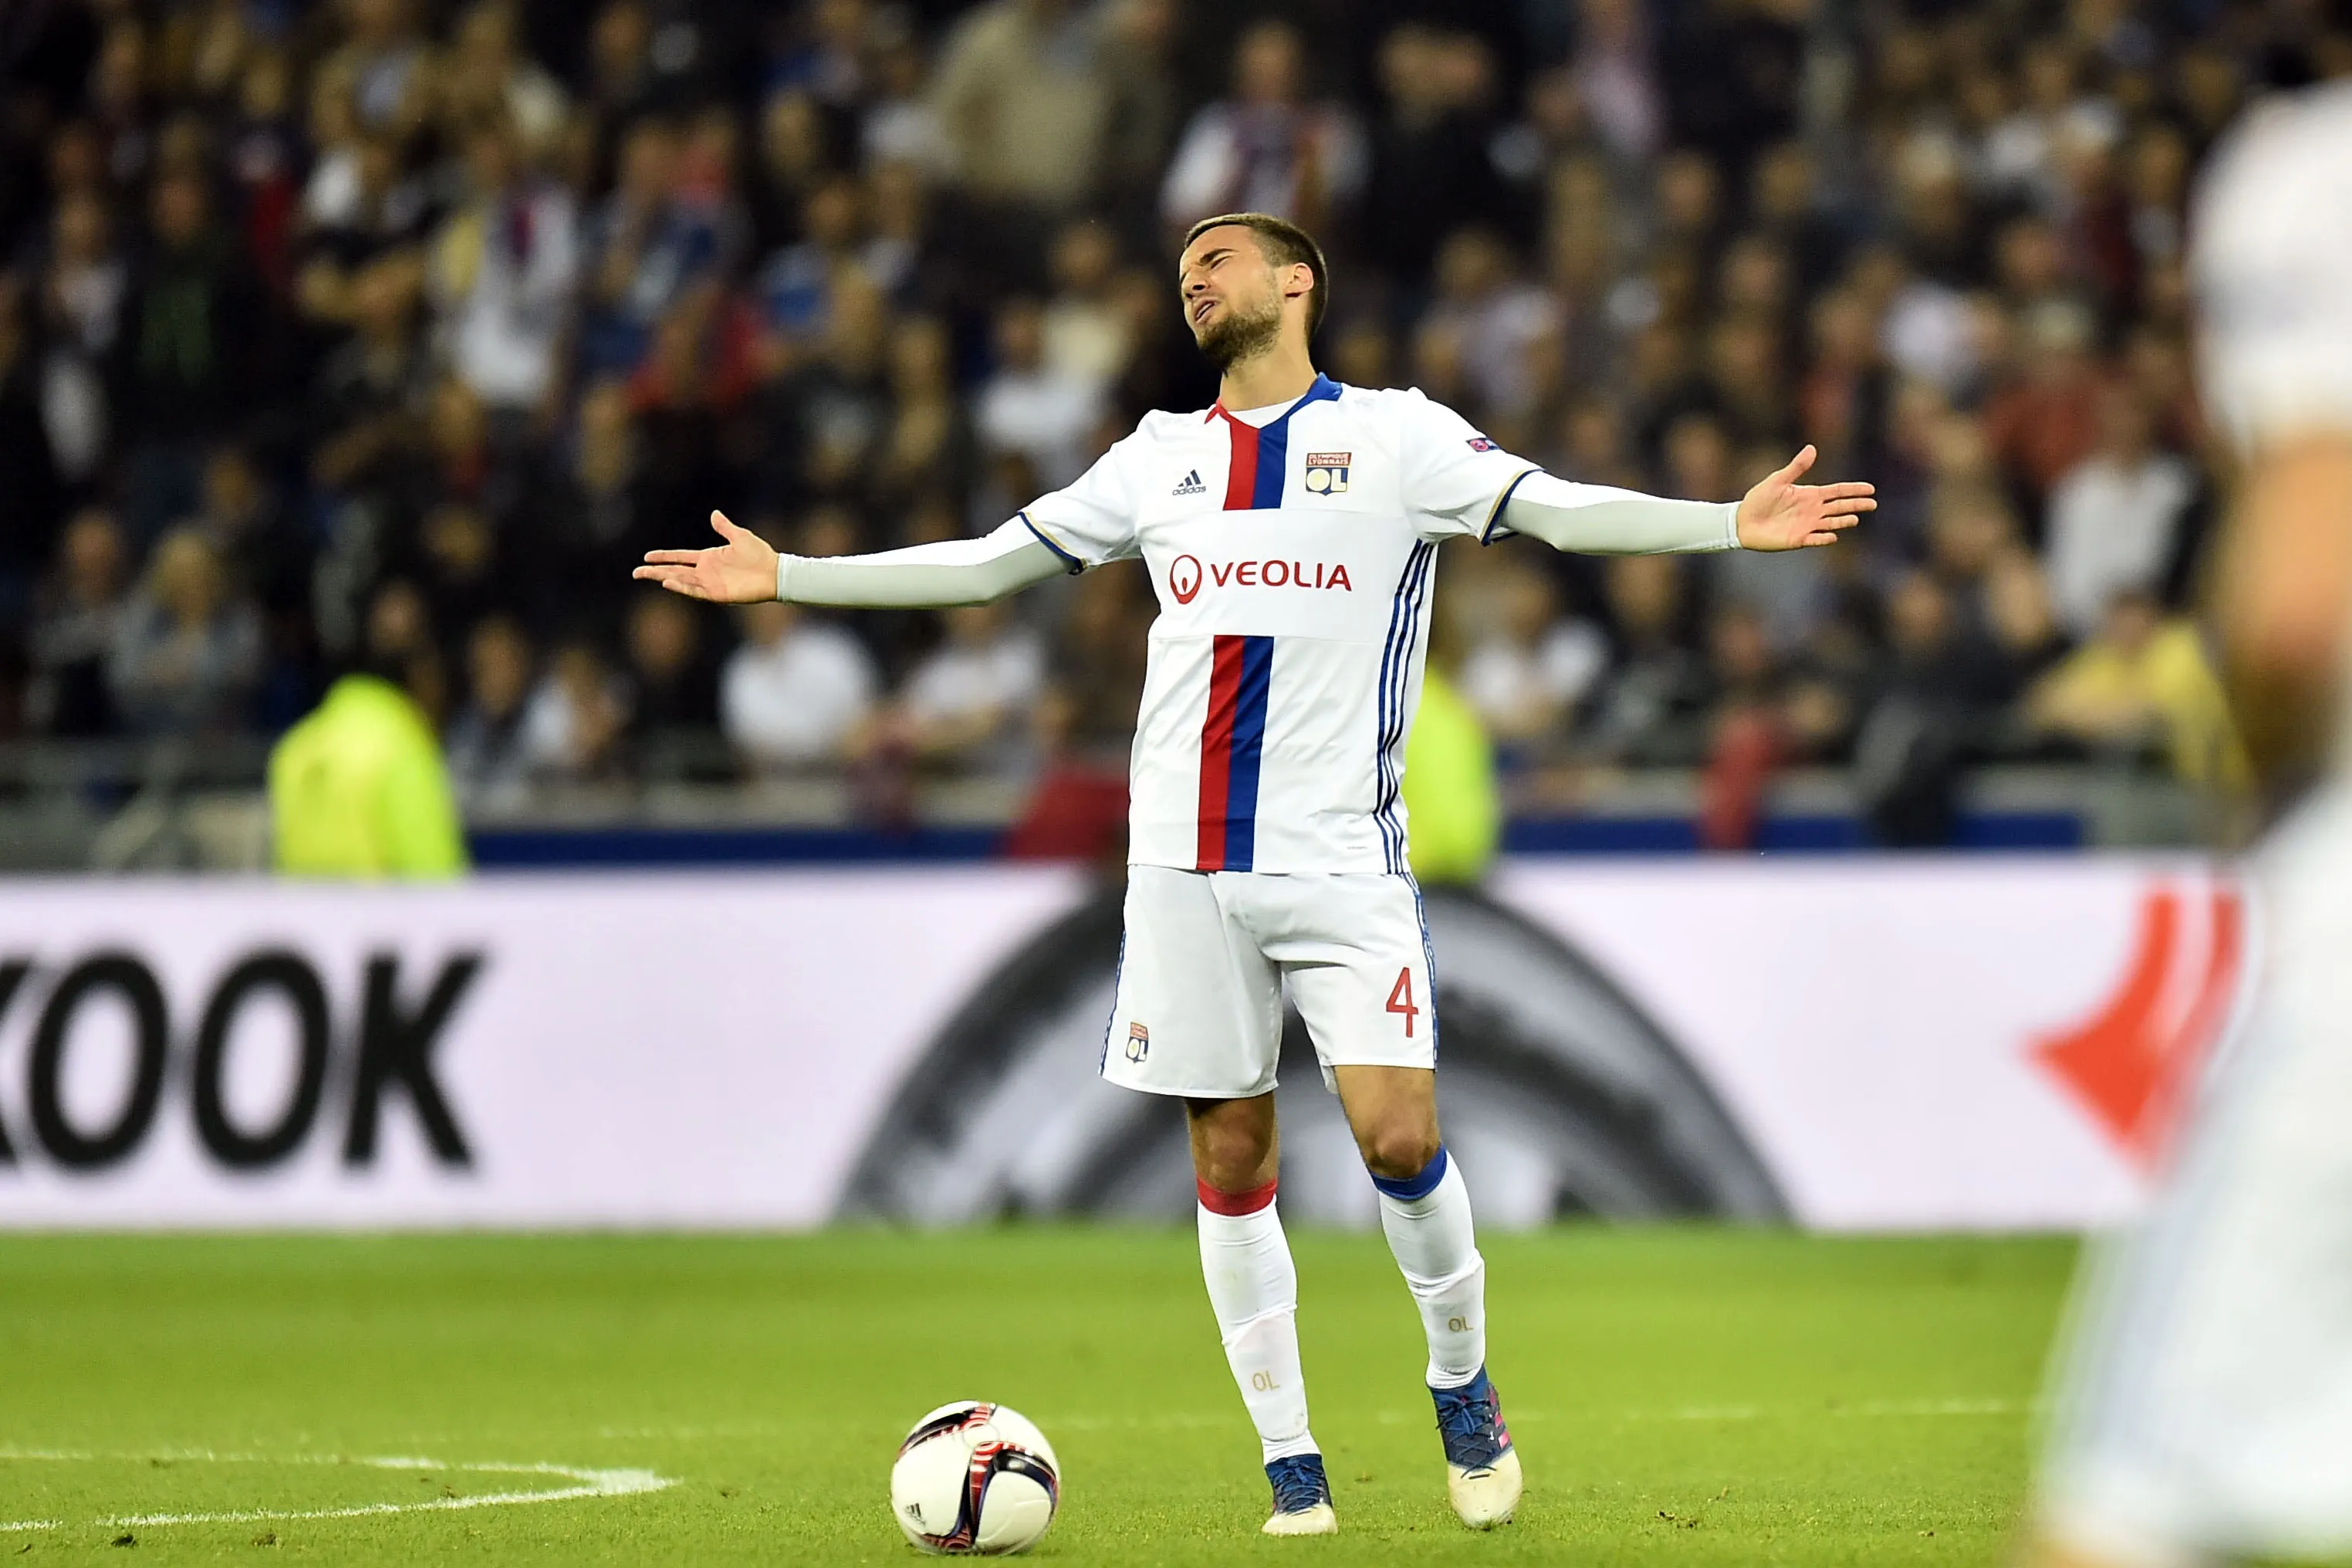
[
  {"x": 591, "y": 1483},
  {"x": 1873, "y": 1408}
]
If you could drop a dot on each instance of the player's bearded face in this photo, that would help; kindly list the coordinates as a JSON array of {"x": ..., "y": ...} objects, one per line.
[{"x": 1240, "y": 328}]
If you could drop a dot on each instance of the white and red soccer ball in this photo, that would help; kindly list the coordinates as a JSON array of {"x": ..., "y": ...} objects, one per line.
[{"x": 975, "y": 1477}]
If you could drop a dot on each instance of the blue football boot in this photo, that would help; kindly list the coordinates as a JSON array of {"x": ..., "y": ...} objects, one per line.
[
  {"x": 1482, "y": 1469},
  {"x": 1302, "y": 1497}
]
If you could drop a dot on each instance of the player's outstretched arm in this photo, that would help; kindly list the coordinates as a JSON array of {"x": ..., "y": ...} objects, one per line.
[
  {"x": 1597, "y": 519},
  {"x": 747, "y": 569},
  {"x": 1781, "y": 514}
]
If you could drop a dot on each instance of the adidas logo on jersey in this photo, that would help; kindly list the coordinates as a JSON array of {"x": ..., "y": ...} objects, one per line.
[{"x": 1190, "y": 485}]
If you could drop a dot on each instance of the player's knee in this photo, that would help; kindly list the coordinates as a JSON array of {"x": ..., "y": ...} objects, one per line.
[
  {"x": 1397, "y": 1150},
  {"x": 1232, "y": 1158}
]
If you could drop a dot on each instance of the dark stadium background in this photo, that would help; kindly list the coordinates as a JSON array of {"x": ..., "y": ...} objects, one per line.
[{"x": 396, "y": 330}]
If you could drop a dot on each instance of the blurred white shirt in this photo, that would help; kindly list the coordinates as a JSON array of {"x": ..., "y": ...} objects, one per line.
[
  {"x": 1509, "y": 684},
  {"x": 2113, "y": 526},
  {"x": 794, "y": 700},
  {"x": 1045, "y": 415},
  {"x": 1005, "y": 675},
  {"x": 503, "y": 272},
  {"x": 1238, "y": 157}
]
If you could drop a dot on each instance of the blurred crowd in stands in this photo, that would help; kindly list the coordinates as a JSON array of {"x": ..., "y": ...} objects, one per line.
[{"x": 391, "y": 332}]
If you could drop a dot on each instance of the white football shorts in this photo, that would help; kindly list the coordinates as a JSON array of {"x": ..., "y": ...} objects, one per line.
[
  {"x": 2206, "y": 1407},
  {"x": 1207, "y": 955}
]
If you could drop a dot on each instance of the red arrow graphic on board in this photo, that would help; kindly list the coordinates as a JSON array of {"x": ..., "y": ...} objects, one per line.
[{"x": 2131, "y": 1064}]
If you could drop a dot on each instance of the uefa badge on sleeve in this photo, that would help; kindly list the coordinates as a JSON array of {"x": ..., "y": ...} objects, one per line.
[
  {"x": 1326, "y": 472},
  {"x": 1139, "y": 1042}
]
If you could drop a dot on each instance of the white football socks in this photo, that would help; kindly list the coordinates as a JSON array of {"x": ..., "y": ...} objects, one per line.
[
  {"x": 1254, "y": 1289},
  {"x": 1427, "y": 1218}
]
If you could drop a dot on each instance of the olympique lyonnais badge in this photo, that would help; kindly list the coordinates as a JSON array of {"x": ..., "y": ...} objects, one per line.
[
  {"x": 1139, "y": 1042},
  {"x": 1326, "y": 472},
  {"x": 1480, "y": 444}
]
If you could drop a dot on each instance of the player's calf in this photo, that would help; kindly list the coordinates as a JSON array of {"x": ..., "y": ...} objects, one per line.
[
  {"x": 1426, "y": 1217},
  {"x": 1253, "y": 1289}
]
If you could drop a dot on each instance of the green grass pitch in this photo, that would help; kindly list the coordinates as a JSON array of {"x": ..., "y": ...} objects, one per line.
[{"x": 1680, "y": 1396}]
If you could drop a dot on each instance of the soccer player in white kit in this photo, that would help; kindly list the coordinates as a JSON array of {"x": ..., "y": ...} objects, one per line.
[
  {"x": 1291, "y": 533},
  {"x": 2205, "y": 1415}
]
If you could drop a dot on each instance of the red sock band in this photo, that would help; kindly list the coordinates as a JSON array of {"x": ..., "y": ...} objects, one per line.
[{"x": 1232, "y": 1203}]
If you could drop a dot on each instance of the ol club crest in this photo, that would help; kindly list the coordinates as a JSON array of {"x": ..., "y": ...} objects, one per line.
[{"x": 1326, "y": 472}]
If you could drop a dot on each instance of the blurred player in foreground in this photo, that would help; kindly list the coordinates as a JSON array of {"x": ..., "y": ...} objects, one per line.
[
  {"x": 1290, "y": 531},
  {"x": 2207, "y": 1412}
]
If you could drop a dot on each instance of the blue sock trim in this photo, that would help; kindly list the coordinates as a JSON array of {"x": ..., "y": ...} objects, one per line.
[{"x": 1415, "y": 1186}]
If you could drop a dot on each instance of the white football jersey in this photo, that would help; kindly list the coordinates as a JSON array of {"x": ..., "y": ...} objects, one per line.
[
  {"x": 1292, "y": 563},
  {"x": 2271, "y": 270}
]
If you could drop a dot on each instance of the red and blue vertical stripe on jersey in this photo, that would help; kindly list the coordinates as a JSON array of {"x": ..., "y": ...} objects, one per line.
[
  {"x": 1262, "y": 453},
  {"x": 1241, "y": 669},
  {"x": 1233, "y": 741}
]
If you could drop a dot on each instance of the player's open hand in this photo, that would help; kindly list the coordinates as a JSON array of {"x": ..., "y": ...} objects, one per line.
[
  {"x": 1781, "y": 514},
  {"x": 740, "y": 572}
]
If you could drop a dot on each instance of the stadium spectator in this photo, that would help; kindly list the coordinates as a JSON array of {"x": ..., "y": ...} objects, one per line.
[
  {"x": 2144, "y": 681},
  {"x": 1266, "y": 149},
  {"x": 187, "y": 652},
  {"x": 487, "y": 755},
  {"x": 76, "y": 620},
  {"x": 826, "y": 418},
  {"x": 1615, "y": 73},
  {"x": 2116, "y": 518},
  {"x": 487, "y": 75},
  {"x": 504, "y": 264},
  {"x": 360, "y": 204},
  {"x": 576, "y": 720},
  {"x": 1744, "y": 742},
  {"x": 793, "y": 693},
  {"x": 1140, "y": 43},
  {"x": 81, "y": 287},
  {"x": 794, "y": 151},
  {"x": 968, "y": 703},
  {"x": 2044, "y": 420},
  {"x": 370, "y": 390},
  {"x": 1502, "y": 322},
  {"x": 797, "y": 282},
  {"x": 1433, "y": 171},
  {"x": 1023, "y": 103},
  {"x": 1030, "y": 407},
  {"x": 902, "y": 127},
  {"x": 653, "y": 240},
  {"x": 29, "y": 480},
  {"x": 390, "y": 65},
  {"x": 192, "y": 356},
  {"x": 1529, "y": 666},
  {"x": 673, "y": 681},
  {"x": 1085, "y": 333},
  {"x": 1923, "y": 718},
  {"x": 1650, "y": 712},
  {"x": 597, "y": 512},
  {"x": 929, "y": 450},
  {"x": 397, "y": 640}
]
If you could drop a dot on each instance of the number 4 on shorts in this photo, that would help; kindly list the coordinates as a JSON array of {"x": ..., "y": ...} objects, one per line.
[{"x": 1400, "y": 999}]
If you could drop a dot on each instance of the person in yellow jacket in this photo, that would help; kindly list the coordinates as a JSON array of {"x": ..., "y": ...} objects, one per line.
[
  {"x": 2145, "y": 675},
  {"x": 358, "y": 789},
  {"x": 1454, "y": 813}
]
